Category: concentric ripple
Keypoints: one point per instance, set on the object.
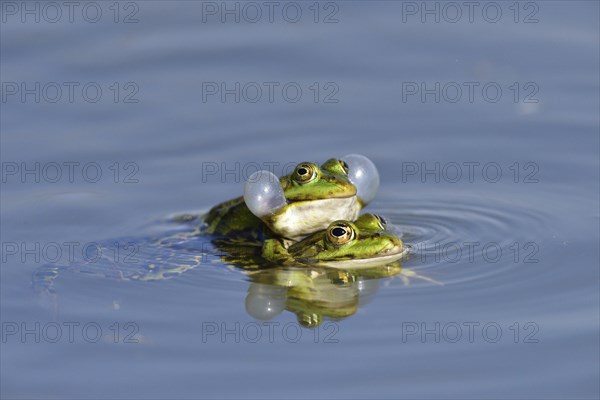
(463, 238)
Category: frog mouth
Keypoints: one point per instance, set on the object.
(388, 256)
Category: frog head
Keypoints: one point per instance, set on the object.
(311, 197)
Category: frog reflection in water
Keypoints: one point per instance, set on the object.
(314, 293)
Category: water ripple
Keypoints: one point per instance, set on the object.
(464, 239)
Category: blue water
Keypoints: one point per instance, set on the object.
(528, 318)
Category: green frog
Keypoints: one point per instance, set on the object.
(366, 242)
(296, 205)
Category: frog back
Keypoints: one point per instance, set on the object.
(232, 218)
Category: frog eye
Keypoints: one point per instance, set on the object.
(363, 175)
(305, 172)
(344, 165)
(340, 233)
(382, 221)
(263, 193)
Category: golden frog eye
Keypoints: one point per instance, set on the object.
(305, 172)
(340, 233)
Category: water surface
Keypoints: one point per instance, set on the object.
(527, 317)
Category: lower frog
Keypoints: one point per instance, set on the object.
(298, 204)
(366, 242)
